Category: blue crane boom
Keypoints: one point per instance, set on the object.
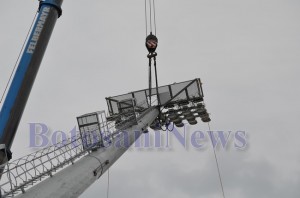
(18, 93)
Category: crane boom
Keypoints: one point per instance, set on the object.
(73, 180)
(101, 140)
(81, 165)
(18, 93)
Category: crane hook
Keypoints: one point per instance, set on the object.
(151, 43)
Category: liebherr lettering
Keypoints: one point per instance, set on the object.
(38, 29)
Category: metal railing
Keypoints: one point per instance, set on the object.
(28, 170)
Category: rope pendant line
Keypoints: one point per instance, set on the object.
(146, 19)
(152, 16)
(217, 162)
(15, 66)
(107, 192)
(154, 12)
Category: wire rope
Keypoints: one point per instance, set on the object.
(150, 15)
(15, 66)
(154, 12)
(107, 191)
(217, 162)
(146, 19)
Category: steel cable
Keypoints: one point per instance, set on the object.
(10, 77)
(217, 162)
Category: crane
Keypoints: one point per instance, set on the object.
(68, 168)
(18, 93)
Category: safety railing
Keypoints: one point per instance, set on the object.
(26, 171)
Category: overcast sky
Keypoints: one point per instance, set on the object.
(247, 53)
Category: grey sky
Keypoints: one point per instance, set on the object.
(247, 53)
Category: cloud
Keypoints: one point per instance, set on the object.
(246, 53)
